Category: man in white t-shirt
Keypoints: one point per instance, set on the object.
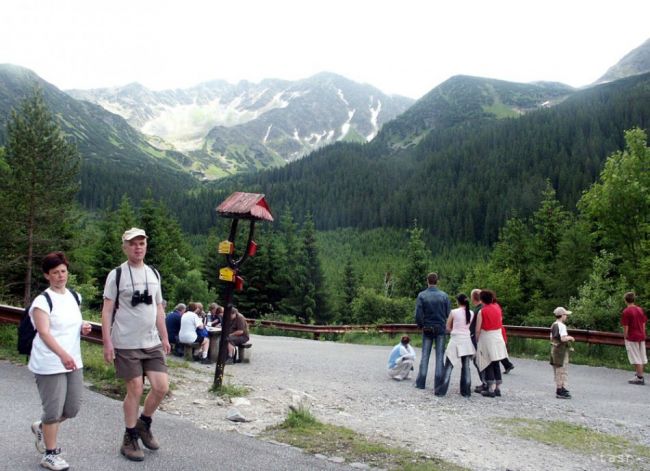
(135, 340)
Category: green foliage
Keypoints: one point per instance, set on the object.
(506, 284)
(600, 300)
(191, 287)
(618, 206)
(372, 308)
(411, 282)
(37, 194)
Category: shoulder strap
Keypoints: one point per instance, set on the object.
(155, 271)
(118, 275)
(47, 297)
(76, 296)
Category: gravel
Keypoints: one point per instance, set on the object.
(347, 385)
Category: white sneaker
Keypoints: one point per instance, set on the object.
(54, 461)
(37, 430)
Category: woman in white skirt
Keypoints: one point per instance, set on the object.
(460, 348)
(491, 348)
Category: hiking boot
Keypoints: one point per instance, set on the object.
(479, 389)
(497, 392)
(146, 436)
(131, 448)
(37, 430)
(54, 461)
(637, 380)
(488, 393)
(562, 394)
(509, 369)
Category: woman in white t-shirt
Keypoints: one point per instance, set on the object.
(192, 330)
(55, 358)
(460, 348)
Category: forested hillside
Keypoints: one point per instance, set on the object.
(117, 159)
(462, 183)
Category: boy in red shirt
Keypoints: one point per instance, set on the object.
(633, 320)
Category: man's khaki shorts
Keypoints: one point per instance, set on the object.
(132, 363)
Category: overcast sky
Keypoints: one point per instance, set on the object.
(404, 47)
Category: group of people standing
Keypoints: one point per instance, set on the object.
(476, 334)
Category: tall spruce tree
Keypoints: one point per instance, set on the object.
(315, 306)
(38, 192)
(411, 282)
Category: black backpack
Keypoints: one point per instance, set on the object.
(26, 331)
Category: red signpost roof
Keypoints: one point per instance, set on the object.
(241, 205)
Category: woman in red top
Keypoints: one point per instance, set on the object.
(491, 348)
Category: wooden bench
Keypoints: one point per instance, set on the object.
(243, 353)
(189, 350)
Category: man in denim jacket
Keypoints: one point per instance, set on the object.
(432, 308)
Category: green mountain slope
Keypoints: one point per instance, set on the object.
(461, 183)
(464, 100)
(117, 159)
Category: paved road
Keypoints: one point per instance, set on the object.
(91, 441)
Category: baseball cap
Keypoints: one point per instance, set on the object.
(560, 311)
(132, 233)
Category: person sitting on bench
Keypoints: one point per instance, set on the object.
(192, 330)
(238, 333)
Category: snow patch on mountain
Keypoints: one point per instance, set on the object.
(374, 115)
(345, 128)
(266, 136)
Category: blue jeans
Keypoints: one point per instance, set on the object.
(427, 342)
(465, 378)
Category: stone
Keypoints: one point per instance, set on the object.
(235, 416)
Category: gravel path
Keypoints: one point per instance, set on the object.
(347, 385)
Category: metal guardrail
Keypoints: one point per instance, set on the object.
(12, 315)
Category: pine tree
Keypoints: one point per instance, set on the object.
(315, 306)
(412, 280)
(39, 190)
(350, 286)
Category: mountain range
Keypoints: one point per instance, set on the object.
(226, 129)
(135, 140)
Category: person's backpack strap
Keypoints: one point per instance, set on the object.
(74, 294)
(118, 276)
(47, 297)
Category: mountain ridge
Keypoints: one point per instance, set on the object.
(216, 123)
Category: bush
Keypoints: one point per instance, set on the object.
(372, 308)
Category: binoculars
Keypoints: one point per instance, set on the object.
(139, 297)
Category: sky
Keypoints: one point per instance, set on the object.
(403, 47)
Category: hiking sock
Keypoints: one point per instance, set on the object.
(50, 452)
(145, 419)
(133, 432)
(204, 355)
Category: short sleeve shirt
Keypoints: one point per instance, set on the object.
(558, 330)
(189, 322)
(65, 327)
(635, 319)
(134, 327)
(240, 324)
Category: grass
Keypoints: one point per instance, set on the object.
(227, 390)
(301, 429)
(575, 438)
